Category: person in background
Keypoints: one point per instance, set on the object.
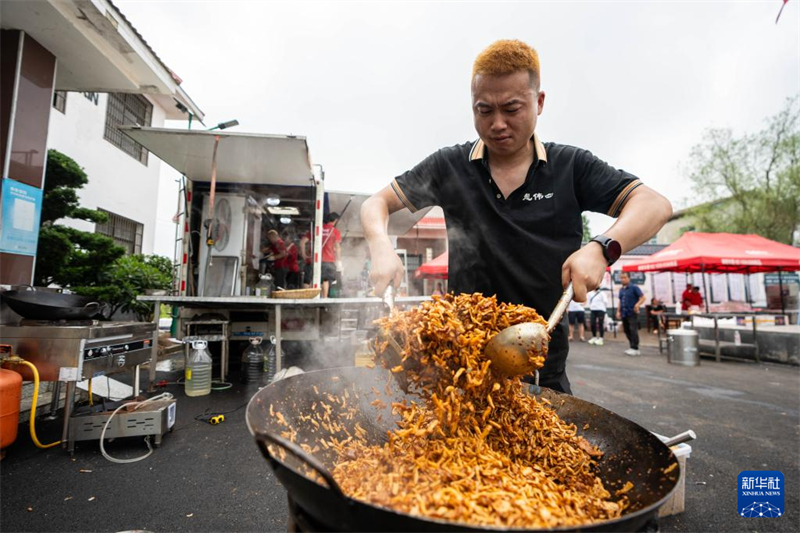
(696, 299)
(292, 268)
(631, 298)
(276, 249)
(597, 317)
(577, 317)
(654, 313)
(686, 298)
(331, 251)
(438, 290)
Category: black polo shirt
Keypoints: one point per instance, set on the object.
(514, 247)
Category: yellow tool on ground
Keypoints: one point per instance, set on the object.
(211, 418)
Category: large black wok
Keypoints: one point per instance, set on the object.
(631, 453)
(47, 305)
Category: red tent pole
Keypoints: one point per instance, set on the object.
(705, 289)
(780, 287)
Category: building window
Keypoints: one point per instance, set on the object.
(125, 232)
(127, 109)
(60, 101)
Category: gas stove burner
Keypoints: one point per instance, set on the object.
(76, 323)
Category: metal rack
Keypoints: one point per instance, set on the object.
(222, 337)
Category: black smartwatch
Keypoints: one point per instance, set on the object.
(611, 248)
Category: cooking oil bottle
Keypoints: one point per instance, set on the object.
(253, 361)
(198, 370)
(270, 359)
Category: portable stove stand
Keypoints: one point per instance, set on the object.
(72, 351)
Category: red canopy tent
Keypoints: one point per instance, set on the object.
(435, 268)
(720, 253)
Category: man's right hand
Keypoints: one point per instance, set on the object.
(386, 265)
(619, 316)
(387, 268)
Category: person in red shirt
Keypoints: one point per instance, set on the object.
(331, 251)
(686, 298)
(276, 249)
(293, 269)
(696, 298)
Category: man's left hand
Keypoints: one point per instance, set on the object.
(585, 268)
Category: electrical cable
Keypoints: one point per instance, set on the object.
(137, 405)
(221, 385)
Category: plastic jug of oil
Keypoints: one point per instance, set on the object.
(270, 360)
(253, 361)
(198, 370)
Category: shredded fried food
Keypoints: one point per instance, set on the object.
(477, 449)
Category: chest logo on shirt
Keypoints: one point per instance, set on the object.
(536, 196)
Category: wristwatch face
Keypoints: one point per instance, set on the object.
(613, 251)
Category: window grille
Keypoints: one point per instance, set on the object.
(125, 232)
(127, 109)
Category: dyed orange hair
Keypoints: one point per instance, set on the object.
(506, 57)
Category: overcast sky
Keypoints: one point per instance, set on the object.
(376, 87)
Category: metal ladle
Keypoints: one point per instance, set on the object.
(510, 350)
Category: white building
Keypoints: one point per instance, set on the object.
(123, 176)
(108, 75)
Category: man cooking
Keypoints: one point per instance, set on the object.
(513, 204)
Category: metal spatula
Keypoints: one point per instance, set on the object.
(510, 349)
(393, 353)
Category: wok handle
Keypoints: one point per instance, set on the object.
(265, 439)
(558, 310)
(686, 436)
(91, 306)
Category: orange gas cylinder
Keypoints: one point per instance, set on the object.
(10, 392)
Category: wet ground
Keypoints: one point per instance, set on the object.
(212, 478)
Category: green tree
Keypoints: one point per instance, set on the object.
(587, 232)
(89, 263)
(66, 256)
(751, 183)
(128, 277)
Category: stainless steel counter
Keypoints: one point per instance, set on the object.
(240, 303)
(251, 302)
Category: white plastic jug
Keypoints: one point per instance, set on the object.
(253, 362)
(198, 370)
